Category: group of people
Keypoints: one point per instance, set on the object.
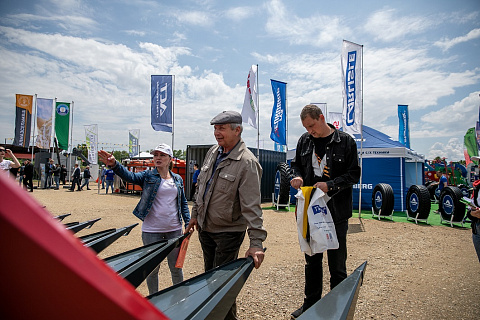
(56, 172)
(227, 196)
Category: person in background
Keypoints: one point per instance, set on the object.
(48, 174)
(28, 175)
(102, 176)
(86, 178)
(21, 173)
(63, 174)
(474, 215)
(194, 181)
(109, 174)
(56, 175)
(6, 165)
(442, 182)
(327, 159)
(75, 178)
(228, 198)
(162, 207)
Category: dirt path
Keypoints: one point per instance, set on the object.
(413, 271)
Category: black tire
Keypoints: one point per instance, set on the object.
(465, 190)
(450, 204)
(418, 202)
(382, 199)
(282, 183)
(431, 189)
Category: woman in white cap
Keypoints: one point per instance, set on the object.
(162, 207)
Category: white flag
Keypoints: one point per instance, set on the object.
(335, 118)
(352, 57)
(250, 108)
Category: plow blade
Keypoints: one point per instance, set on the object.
(135, 265)
(82, 225)
(339, 303)
(206, 296)
(97, 235)
(100, 244)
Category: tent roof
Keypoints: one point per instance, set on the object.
(143, 155)
(375, 139)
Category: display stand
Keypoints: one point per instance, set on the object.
(451, 222)
(280, 205)
(416, 219)
(379, 215)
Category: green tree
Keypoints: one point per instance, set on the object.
(120, 155)
(180, 154)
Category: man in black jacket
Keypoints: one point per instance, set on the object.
(326, 159)
(86, 178)
(28, 175)
(76, 178)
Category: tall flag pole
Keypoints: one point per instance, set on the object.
(44, 123)
(71, 143)
(279, 113)
(352, 88)
(34, 126)
(23, 120)
(162, 89)
(258, 116)
(62, 123)
(403, 127)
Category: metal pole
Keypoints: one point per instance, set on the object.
(361, 153)
(173, 111)
(34, 126)
(258, 119)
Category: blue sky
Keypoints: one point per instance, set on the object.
(100, 54)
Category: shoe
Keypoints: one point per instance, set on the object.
(295, 314)
(89, 189)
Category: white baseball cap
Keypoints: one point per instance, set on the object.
(163, 147)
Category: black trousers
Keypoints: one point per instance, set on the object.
(337, 265)
(220, 248)
(75, 181)
(28, 182)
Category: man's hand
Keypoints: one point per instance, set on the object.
(257, 254)
(192, 225)
(107, 158)
(322, 186)
(475, 213)
(296, 182)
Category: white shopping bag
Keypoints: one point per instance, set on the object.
(314, 209)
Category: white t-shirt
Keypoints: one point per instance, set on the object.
(5, 165)
(163, 214)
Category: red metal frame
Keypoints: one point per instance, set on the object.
(47, 273)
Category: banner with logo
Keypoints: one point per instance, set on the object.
(44, 123)
(470, 142)
(162, 103)
(250, 108)
(91, 138)
(403, 128)
(352, 65)
(279, 112)
(133, 142)
(323, 107)
(335, 118)
(23, 120)
(62, 124)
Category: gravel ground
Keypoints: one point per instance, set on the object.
(413, 271)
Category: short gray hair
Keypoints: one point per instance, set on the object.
(235, 125)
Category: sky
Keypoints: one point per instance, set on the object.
(101, 55)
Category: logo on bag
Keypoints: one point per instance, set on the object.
(317, 209)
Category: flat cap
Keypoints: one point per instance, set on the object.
(227, 117)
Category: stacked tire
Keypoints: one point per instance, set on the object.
(450, 207)
(282, 183)
(382, 199)
(418, 202)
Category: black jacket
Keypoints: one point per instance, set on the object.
(342, 160)
(28, 171)
(86, 174)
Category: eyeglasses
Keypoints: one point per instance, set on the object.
(3, 150)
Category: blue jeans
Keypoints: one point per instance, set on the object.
(176, 273)
(476, 238)
(57, 181)
(109, 184)
(85, 182)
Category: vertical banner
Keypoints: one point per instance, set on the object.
(133, 142)
(44, 123)
(279, 112)
(250, 108)
(62, 124)
(335, 118)
(403, 129)
(352, 87)
(323, 107)
(470, 142)
(91, 138)
(162, 103)
(477, 134)
(23, 120)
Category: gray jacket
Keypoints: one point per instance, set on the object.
(232, 202)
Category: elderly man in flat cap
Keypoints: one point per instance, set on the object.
(227, 199)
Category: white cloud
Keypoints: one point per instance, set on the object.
(446, 43)
(316, 30)
(239, 13)
(66, 22)
(196, 18)
(135, 33)
(387, 25)
(452, 150)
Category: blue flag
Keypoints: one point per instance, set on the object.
(403, 130)
(279, 113)
(162, 103)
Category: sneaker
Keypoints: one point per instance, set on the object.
(295, 314)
